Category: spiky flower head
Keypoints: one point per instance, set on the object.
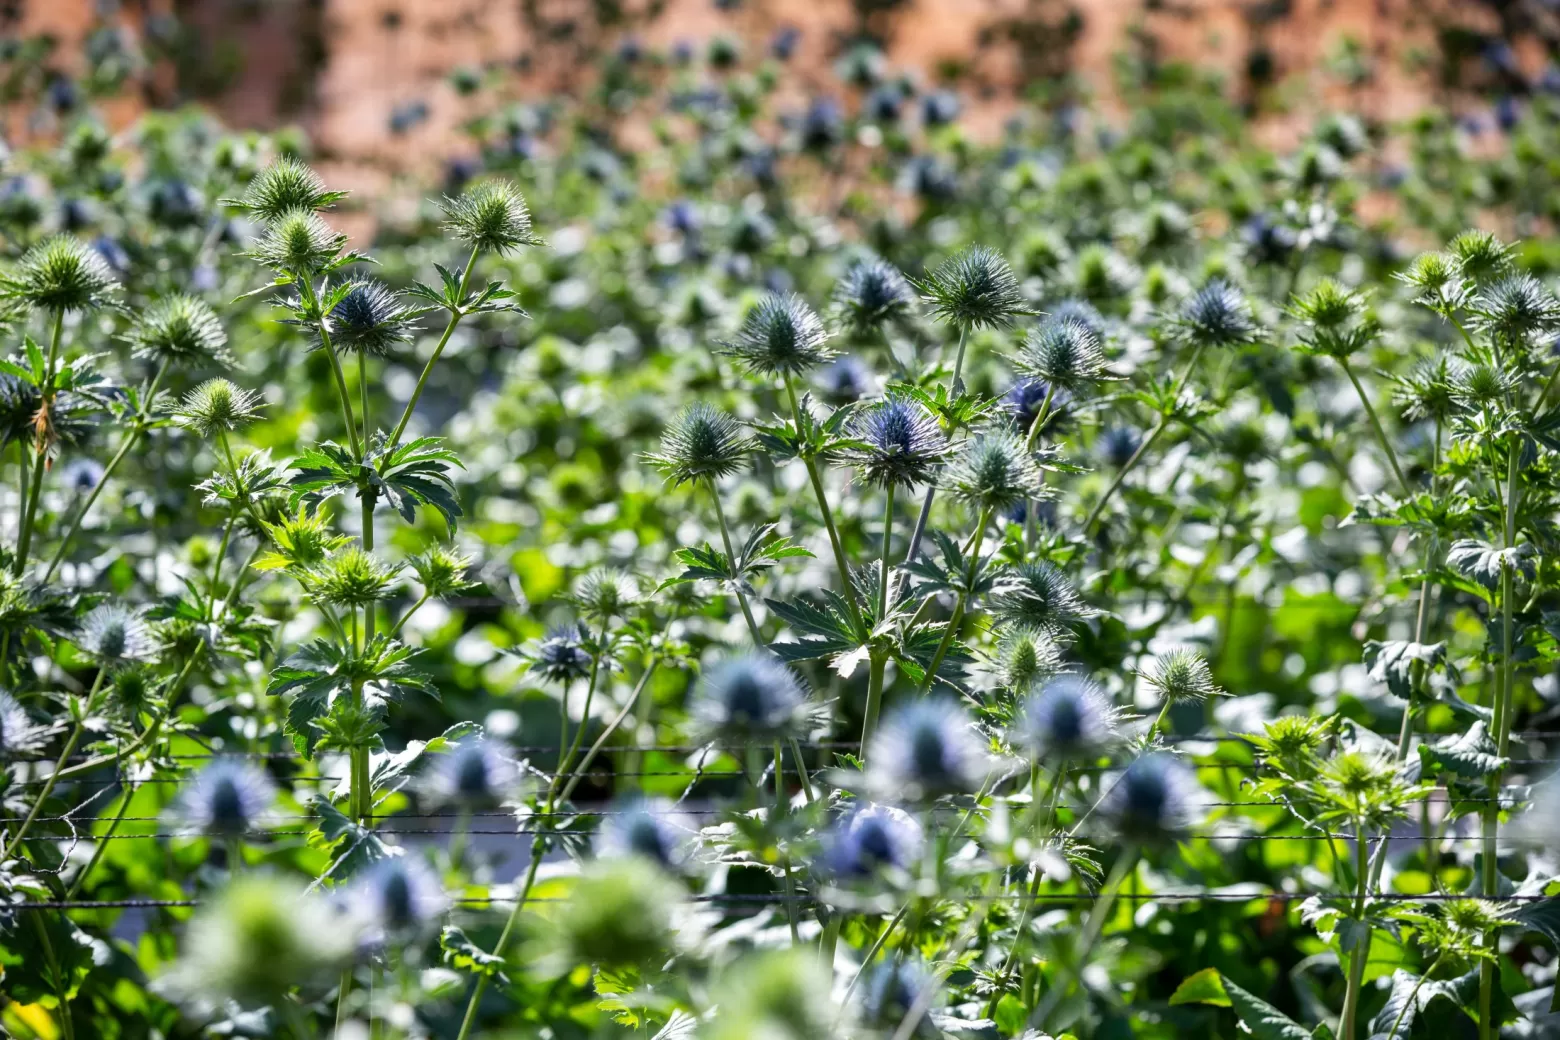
(620, 914)
(302, 540)
(256, 940)
(994, 472)
(561, 656)
(701, 443)
(845, 379)
(181, 330)
(1040, 595)
(1481, 385)
(1218, 315)
(1428, 390)
(396, 898)
(286, 186)
(871, 839)
(81, 475)
(871, 294)
(442, 570)
(370, 319)
(752, 697)
(114, 634)
(217, 405)
(973, 289)
(350, 578)
(297, 243)
(60, 274)
(1516, 308)
(781, 335)
(19, 737)
(774, 995)
(1182, 676)
(473, 773)
(1480, 255)
(1328, 305)
(135, 689)
(1118, 444)
(651, 828)
(902, 443)
(606, 592)
(924, 749)
(1069, 718)
(491, 217)
(891, 990)
(1064, 353)
(1156, 798)
(228, 798)
(1437, 278)
(1026, 655)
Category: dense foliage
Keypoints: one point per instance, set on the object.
(826, 578)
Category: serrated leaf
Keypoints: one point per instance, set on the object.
(1261, 1019)
(1203, 987)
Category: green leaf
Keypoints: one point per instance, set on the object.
(1471, 754)
(1261, 1019)
(1203, 987)
(464, 955)
(1395, 1020)
(357, 846)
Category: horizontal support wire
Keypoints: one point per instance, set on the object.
(565, 833)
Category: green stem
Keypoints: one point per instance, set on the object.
(848, 588)
(129, 440)
(1356, 978)
(731, 560)
(422, 380)
(306, 286)
(781, 807)
(1091, 933)
(59, 767)
(883, 565)
(952, 631)
(1375, 423)
(102, 845)
(931, 490)
(1413, 995)
(40, 450)
(878, 666)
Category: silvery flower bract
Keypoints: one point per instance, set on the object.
(902, 444)
(652, 829)
(1068, 718)
(19, 736)
(1182, 675)
(750, 697)
(975, 288)
(114, 634)
(872, 838)
(1156, 798)
(994, 471)
(475, 772)
(701, 443)
(398, 896)
(226, 799)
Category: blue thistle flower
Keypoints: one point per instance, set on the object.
(973, 289)
(902, 443)
(371, 319)
(651, 829)
(1267, 240)
(780, 336)
(1069, 718)
(884, 104)
(1118, 444)
(1218, 315)
(889, 992)
(226, 799)
(1040, 595)
(845, 379)
(701, 443)
(561, 656)
(1064, 353)
(994, 471)
(823, 126)
(397, 897)
(754, 697)
(871, 838)
(783, 45)
(1156, 798)
(1025, 397)
(871, 293)
(1081, 311)
(473, 773)
(81, 475)
(924, 749)
(930, 178)
(114, 634)
(18, 735)
(1516, 307)
(940, 108)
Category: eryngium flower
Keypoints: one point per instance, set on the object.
(60, 274)
(1515, 308)
(891, 990)
(1428, 390)
(1041, 596)
(350, 578)
(845, 379)
(397, 897)
(1182, 676)
(1118, 444)
(606, 592)
(19, 737)
(975, 288)
(994, 472)
(780, 335)
(1479, 385)
(260, 937)
(774, 995)
(115, 635)
(491, 217)
(1066, 354)
(752, 697)
(561, 656)
(442, 570)
(873, 838)
(370, 319)
(1155, 798)
(701, 443)
(870, 294)
(81, 475)
(473, 773)
(226, 799)
(619, 915)
(1480, 254)
(297, 243)
(180, 330)
(902, 443)
(1328, 305)
(286, 186)
(924, 749)
(652, 829)
(1070, 718)
(1025, 656)
(1218, 315)
(217, 405)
